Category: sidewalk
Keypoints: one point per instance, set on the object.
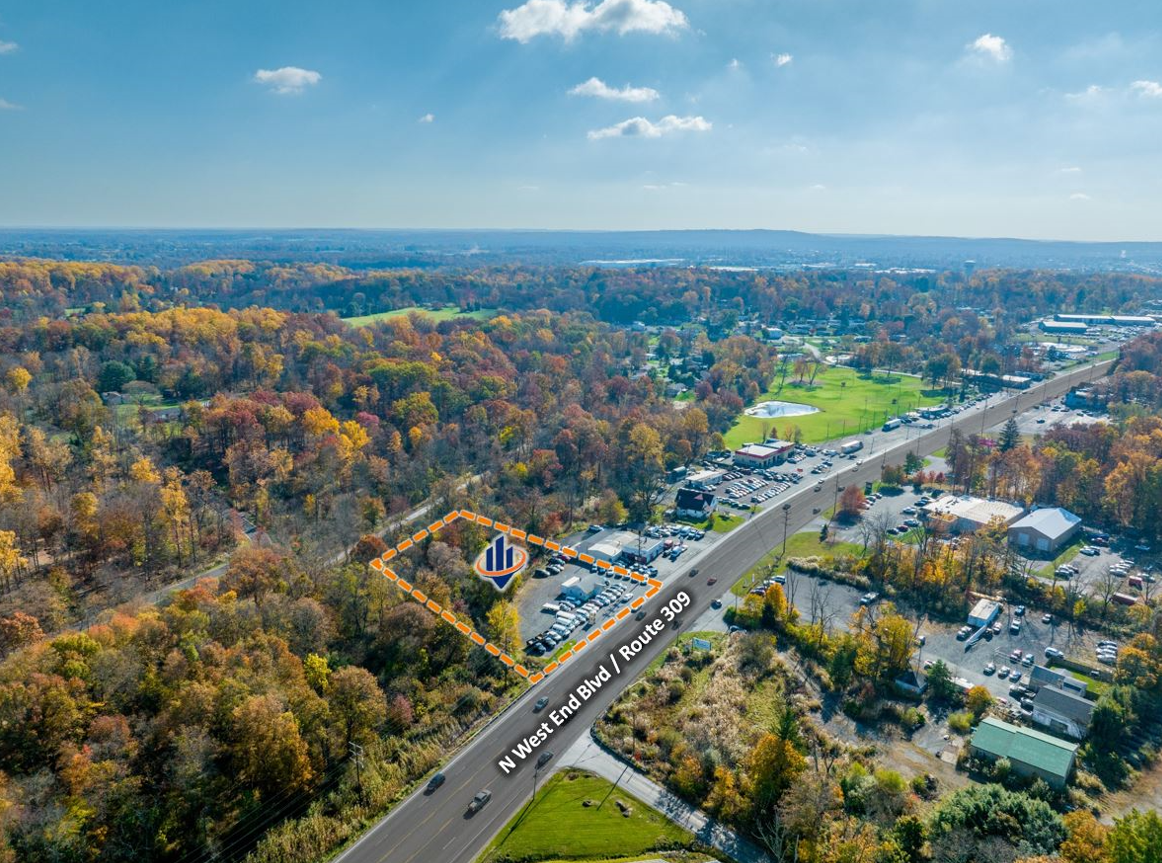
(585, 754)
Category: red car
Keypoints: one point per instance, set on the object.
(711, 580)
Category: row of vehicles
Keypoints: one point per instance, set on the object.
(569, 616)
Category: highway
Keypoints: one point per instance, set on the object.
(437, 827)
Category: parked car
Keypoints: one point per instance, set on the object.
(990, 668)
(1054, 653)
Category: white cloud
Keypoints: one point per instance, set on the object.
(661, 187)
(568, 20)
(782, 60)
(818, 187)
(427, 118)
(734, 65)
(1148, 89)
(5, 105)
(640, 127)
(7, 47)
(289, 80)
(600, 90)
(1071, 169)
(1090, 94)
(992, 48)
(1079, 196)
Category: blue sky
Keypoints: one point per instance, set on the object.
(1032, 118)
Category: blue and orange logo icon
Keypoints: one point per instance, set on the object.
(499, 563)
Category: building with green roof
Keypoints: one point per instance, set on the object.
(1030, 752)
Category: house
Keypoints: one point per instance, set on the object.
(1062, 712)
(693, 503)
(1041, 676)
(761, 456)
(1045, 531)
(673, 390)
(966, 513)
(1030, 752)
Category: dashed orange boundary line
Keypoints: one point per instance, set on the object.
(380, 566)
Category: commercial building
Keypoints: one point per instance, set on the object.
(1108, 320)
(1062, 712)
(991, 381)
(692, 503)
(703, 480)
(1073, 328)
(762, 455)
(1030, 753)
(625, 546)
(966, 513)
(1084, 399)
(578, 589)
(1045, 531)
(983, 613)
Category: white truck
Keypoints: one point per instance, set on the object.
(851, 446)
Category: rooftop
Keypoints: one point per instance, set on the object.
(975, 509)
(1064, 704)
(1034, 748)
(1052, 521)
(757, 450)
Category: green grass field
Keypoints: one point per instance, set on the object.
(805, 544)
(558, 827)
(448, 313)
(847, 402)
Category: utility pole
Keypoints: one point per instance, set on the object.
(356, 752)
(786, 519)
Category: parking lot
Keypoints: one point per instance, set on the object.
(538, 601)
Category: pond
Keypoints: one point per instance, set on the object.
(773, 410)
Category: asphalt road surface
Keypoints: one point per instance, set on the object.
(438, 827)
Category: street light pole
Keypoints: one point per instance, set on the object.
(786, 519)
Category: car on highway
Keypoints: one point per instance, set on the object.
(435, 782)
(479, 801)
(541, 704)
(712, 580)
(543, 759)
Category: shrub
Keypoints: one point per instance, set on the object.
(961, 722)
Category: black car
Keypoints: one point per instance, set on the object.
(435, 782)
(541, 704)
(545, 758)
(480, 801)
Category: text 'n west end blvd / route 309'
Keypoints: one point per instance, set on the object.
(380, 564)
